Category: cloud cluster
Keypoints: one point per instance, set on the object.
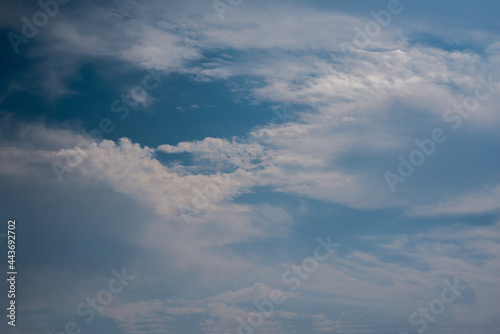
(353, 115)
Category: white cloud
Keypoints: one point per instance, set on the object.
(388, 286)
(472, 202)
(358, 278)
(220, 312)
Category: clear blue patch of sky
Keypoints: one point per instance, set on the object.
(184, 109)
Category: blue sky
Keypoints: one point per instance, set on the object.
(202, 148)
